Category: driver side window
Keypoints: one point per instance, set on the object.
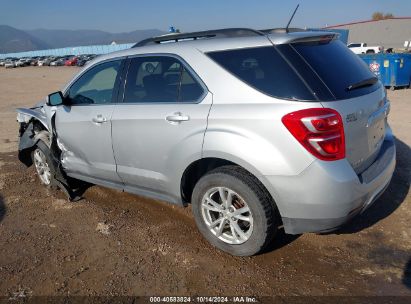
(96, 86)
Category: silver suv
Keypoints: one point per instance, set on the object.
(257, 130)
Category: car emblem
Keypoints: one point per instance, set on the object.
(351, 117)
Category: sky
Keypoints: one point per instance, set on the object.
(189, 15)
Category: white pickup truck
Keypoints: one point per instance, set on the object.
(362, 48)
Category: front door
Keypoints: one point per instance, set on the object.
(84, 127)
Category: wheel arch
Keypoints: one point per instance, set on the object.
(202, 166)
(30, 134)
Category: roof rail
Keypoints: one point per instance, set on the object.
(220, 33)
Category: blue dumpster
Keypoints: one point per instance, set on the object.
(394, 70)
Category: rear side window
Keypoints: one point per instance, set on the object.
(159, 79)
(264, 69)
(338, 67)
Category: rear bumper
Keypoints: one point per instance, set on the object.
(328, 194)
(298, 225)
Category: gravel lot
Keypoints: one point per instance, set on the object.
(112, 243)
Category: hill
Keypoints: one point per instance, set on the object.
(14, 40)
(66, 38)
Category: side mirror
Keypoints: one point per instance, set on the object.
(55, 99)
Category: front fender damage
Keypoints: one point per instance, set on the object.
(28, 140)
(30, 135)
(36, 113)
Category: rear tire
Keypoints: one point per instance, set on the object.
(234, 212)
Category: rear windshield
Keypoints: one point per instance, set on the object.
(301, 71)
(338, 67)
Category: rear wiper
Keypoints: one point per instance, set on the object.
(362, 83)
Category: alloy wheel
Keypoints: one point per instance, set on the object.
(42, 167)
(227, 215)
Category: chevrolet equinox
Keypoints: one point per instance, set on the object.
(257, 130)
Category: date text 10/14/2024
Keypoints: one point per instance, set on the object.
(204, 299)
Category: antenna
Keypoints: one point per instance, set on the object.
(291, 19)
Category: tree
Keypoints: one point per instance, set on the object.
(381, 16)
(377, 16)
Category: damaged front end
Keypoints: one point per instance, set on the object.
(33, 127)
(37, 124)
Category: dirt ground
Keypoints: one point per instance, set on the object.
(112, 243)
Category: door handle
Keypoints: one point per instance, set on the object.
(99, 119)
(177, 117)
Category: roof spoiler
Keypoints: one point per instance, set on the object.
(318, 37)
(281, 30)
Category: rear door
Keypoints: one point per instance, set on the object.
(356, 95)
(159, 127)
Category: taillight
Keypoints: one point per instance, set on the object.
(319, 130)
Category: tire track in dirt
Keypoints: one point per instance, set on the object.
(148, 248)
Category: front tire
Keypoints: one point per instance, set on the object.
(234, 212)
(43, 163)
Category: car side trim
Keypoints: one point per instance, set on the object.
(128, 189)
